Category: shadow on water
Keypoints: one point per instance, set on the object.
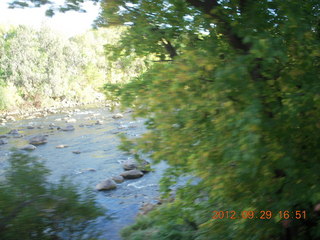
(99, 159)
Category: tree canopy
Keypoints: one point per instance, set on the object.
(236, 103)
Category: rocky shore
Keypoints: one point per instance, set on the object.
(66, 107)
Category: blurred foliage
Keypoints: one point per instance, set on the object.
(33, 208)
(52, 6)
(41, 67)
(233, 101)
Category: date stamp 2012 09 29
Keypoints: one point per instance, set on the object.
(263, 214)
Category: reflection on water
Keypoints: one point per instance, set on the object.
(98, 158)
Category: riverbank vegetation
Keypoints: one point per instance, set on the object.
(41, 68)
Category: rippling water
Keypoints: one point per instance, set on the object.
(99, 159)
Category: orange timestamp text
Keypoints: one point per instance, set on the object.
(263, 214)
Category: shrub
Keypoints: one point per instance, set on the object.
(33, 208)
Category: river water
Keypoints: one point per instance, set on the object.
(99, 159)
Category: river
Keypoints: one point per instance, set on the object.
(99, 159)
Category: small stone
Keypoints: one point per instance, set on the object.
(145, 208)
(30, 127)
(129, 165)
(118, 179)
(3, 141)
(38, 140)
(14, 132)
(89, 170)
(142, 165)
(108, 184)
(117, 116)
(99, 122)
(132, 174)
(67, 128)
(10, 118)
(76, 152)
(28, 147)
(62, 146)
(3, 136)
(71, 120)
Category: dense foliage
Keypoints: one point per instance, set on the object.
(238, 107)
(43, 68)
(234, 101)
(32, 208)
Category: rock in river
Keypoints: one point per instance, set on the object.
(107, 184)
(132, 174)
(117, 116)
(38, 140)
(118, 179)
(71, 120)
(62, 146)
(130, 164)
(67, 128)
(3, 141)
(14, 132)
(99, 122)
(28, 147)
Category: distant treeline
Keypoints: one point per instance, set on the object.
(42, 68)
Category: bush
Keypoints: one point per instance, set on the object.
(33, 208)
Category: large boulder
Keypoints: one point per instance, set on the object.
(38, 140)
(107, 184)
(132, 174)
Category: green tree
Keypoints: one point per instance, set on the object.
(42, 67)
(33, 208)
(37, 62)
(237, 107)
